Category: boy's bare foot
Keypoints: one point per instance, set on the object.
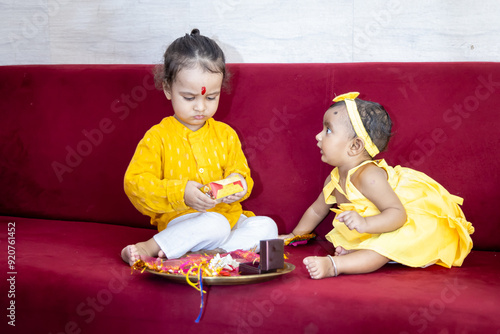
(130, 254)
(320, 267)
(342, 251)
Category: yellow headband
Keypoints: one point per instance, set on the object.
(357, 124)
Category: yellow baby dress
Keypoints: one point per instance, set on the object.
(435, 232)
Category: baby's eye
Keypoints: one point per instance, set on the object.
(189, 98)
(328, 130)
(210, 98)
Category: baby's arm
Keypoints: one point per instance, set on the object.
(372, 183)
(311, 217)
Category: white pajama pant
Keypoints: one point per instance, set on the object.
(210, 230)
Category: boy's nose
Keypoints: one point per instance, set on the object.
(200, 105)
(318, 137)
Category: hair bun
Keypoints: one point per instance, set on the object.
(195, 32)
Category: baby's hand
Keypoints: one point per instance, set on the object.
(286, 236)
(238, 196)
(353, 221)
(196, 199)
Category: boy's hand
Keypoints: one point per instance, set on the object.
(238, 196)
(196, 199)
(353, 221)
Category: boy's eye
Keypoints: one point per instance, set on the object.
(212, 97)
(188, 98)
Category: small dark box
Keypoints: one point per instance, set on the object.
(271, 258)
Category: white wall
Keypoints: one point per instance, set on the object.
(138, 31)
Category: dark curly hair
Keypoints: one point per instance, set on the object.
(376, 121)
(187, 52)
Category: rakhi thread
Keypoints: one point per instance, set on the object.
(299, 239)
(200, 279)
(196, 266)
(198, 286)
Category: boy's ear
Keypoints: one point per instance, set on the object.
(357, 146)
(167, 91)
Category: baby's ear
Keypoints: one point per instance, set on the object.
(167, 91)
(357, 146)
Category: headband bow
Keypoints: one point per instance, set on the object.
(357, 124)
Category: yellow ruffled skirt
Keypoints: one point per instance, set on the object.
(436, 231)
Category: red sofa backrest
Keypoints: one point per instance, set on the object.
(68, 133)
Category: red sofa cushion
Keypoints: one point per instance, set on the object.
(69, 131)
(71, 279)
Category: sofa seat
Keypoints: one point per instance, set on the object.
(80, 285)
(68, 132)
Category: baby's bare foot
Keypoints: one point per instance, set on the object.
(342, 251)
(319, 267)
(130, 254)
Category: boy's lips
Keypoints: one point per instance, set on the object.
(199, 117)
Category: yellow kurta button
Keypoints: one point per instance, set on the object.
(201, 170)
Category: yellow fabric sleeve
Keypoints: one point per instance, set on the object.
(170, 155)
(144, 185)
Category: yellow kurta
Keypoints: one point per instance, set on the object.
(170, 155)
(436, 230)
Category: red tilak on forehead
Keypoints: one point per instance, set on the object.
(203, 90)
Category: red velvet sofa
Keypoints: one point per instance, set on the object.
(68, 133)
